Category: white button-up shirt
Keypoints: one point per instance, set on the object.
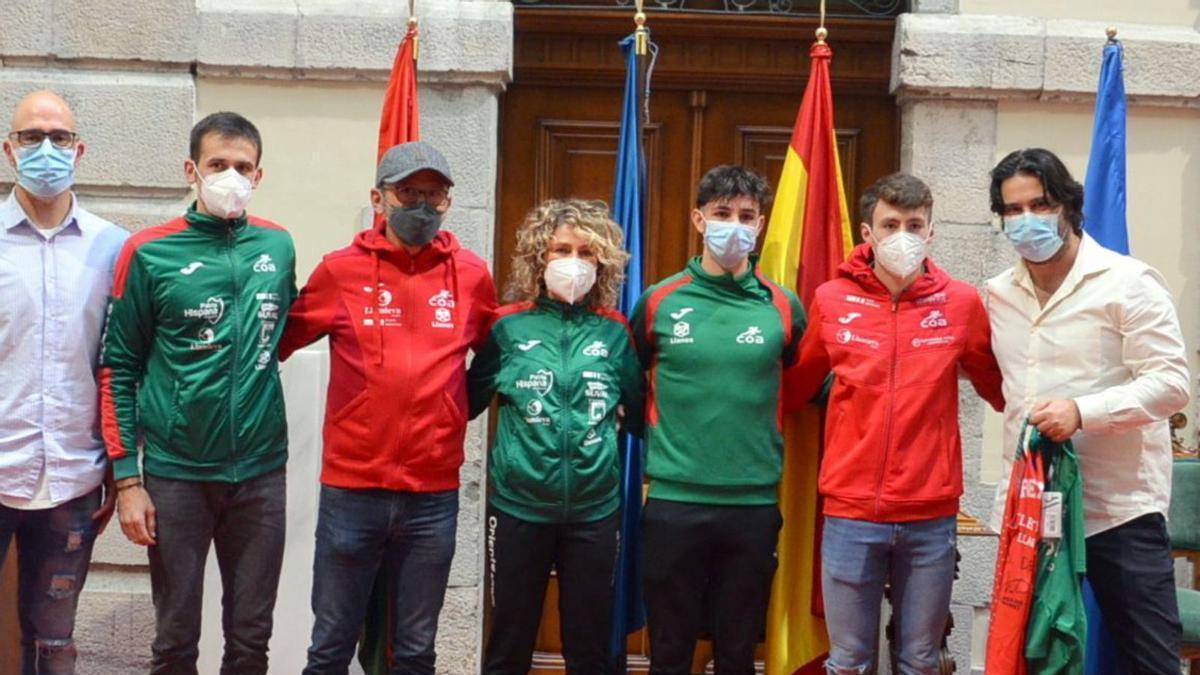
(53, 295)
(1109, 339)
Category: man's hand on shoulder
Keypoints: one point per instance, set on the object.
(1056, 420)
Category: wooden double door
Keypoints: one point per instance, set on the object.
(725, 88)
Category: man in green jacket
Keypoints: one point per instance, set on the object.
(189, 374)
(715, 339)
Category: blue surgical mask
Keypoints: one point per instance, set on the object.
(46, 170)
(729, 242)
(1035, 237)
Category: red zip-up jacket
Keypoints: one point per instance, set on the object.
(892, 446)
(399, 327)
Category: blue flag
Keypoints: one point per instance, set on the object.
(1104, 220)
(1104, 187)
(629, 211)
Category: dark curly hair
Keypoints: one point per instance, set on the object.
(1060, 188)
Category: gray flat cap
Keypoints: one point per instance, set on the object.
(405, 159)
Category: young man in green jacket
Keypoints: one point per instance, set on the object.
(189, 373)
(714, 339)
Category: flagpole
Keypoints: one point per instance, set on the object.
(822, 32)
(412, 30)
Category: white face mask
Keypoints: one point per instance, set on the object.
(569, 279)
(902, 253)
(225, 194)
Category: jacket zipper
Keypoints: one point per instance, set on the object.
(237, 350)
(887, 434)
(566, 403)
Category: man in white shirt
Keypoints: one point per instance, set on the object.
(1090, 348)
(56, 263)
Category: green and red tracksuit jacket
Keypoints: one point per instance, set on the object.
(561, 371)
(399, 327)
(188, 366)
(892, 446)
(715, 347)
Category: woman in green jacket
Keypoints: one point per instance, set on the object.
(562, 363)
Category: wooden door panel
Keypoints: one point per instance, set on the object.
(725, 89)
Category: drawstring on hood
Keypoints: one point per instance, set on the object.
(441, 251)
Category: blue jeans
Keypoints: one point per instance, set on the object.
(409, 534)
(54, 547)
(857, 558)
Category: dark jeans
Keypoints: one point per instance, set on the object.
(411, 535)
(700, 556)
(520, 555)
(1132, 574)
(53, 549)
(246, 523)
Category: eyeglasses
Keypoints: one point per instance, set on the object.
(411, 195)
(34, 137)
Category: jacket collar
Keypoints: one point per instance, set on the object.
(211, 224)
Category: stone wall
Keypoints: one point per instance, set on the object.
(132, 70)
(952, 74)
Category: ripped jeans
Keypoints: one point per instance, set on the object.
(54, 547)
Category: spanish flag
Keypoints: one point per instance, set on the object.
(807, 238)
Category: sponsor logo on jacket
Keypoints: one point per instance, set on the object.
(846, 336)
(934, 319)
(211, 310)
(264, 263)
(751, 336)
(442, 302)
(681, 332)
(540, 382)
(860, 300)
(939, 341)
(597, 348)
(938, 298)
(191, 267)
(848, 317)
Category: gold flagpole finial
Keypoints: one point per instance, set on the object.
(642, 39)
(822, 32)
(412, 26)
(1111, 32)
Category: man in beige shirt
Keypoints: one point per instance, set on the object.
(1090, 348)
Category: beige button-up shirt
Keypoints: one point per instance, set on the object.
(1109, 339)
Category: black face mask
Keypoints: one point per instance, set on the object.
(415, 225)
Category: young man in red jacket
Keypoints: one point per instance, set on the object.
(894, 329)
(401, 306)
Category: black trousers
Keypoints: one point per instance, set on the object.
(1133, 577)
(246, 522)
(698, 557)
(520, 555)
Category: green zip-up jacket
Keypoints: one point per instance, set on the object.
(715, 347)
(188, 366)
(560, 371)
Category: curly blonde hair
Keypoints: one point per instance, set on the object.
(591, 220)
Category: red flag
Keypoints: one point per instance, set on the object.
(400, 121)
(1016, 565)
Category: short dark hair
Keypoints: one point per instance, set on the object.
(1057, 184)
(728, 181)
(227, 125)
(901, 190)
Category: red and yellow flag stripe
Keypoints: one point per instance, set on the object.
(806, 240)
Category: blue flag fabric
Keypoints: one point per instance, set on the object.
(1104, 220)
(629, 211)
(1104, 187)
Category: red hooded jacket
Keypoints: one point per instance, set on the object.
(892, 446)
(399, 327)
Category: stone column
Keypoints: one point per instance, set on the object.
(130, 71)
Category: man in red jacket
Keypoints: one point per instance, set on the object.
(894, 329)
(401, 306)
